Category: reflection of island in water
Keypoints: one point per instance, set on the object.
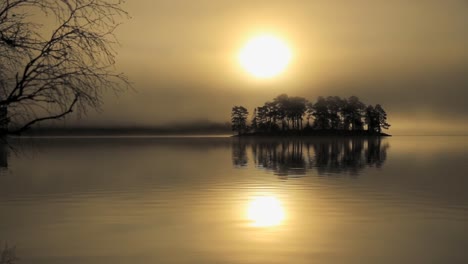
(297, 156)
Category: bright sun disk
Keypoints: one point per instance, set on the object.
(265, 56)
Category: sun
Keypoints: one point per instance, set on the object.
(265, 211)
(265, 56)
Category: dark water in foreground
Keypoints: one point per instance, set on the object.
(225, 200)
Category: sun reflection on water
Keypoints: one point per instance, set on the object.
(265, 211)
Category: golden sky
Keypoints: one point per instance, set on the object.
(410, 56)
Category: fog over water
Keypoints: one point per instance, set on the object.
(231, 200)
(411, 57)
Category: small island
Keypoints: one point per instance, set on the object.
(296, 116)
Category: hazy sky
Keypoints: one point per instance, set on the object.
(410, 56)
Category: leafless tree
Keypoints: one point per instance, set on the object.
(49, 73)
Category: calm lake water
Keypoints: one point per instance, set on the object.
(229, 200)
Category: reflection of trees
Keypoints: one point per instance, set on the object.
(339, 156)
(239, 154)
(282, 157)
(327, 156)
(375, 154)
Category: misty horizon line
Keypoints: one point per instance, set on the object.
(207, 127)
(214, 128)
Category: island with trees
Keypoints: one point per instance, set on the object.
(296, 116)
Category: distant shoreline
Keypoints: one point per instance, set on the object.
(201, 128)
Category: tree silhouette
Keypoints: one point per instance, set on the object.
(254, 123)
(48, 76)
(319, 111)
(272, 115)
(334, 105)
(239, 116)
(376, 118)
(381, 116)
(298, 107)
(282, 103)
(261, 118)
(352, 113)
(331, 114)
(371, 119)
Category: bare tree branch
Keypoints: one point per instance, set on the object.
(47, 77)
(40, 119)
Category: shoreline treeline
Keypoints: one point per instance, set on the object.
(332, 113)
